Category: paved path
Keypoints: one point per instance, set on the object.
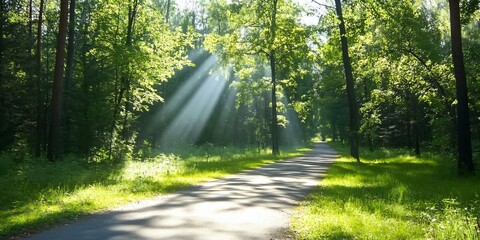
(250, 205)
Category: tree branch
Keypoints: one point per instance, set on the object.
(323, 5)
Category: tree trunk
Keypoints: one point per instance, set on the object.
(30, 22)
(69, 73)
(124, 85)
(131, 23)
(56, 104)
(416, 124)
(275, 150)
(40, 124)
(86, 130)
(334, 131)
(352, 104)
(167, 16)
(465, 161)
(132, 12)
(273, 28)
(417, 139)
(2, 91)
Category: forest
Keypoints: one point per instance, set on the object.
(114, 81)
(135, 75)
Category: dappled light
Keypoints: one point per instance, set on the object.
(254, 198)
(389, 196)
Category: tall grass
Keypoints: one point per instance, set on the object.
(391, 195)
(37, 193)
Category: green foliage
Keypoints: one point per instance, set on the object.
(46, 193)
(391, 195)
(453, 221)
(400, 53)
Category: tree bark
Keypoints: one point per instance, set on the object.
(86, 130)
(167, 16)
(352, 104)
(417, 139)
(465, 161)
(69, 72)
(40, 124)
(30, 22)
(275, 149)
(273, 29)
(2, 91)
(127, 87)
(56, 104)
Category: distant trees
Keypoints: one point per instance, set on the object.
(262, 31)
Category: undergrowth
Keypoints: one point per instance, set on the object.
(36, 193)
(391, 195)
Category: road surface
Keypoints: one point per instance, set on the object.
(251, 205)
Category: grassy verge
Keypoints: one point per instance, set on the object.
(391, 195)
(35, 194)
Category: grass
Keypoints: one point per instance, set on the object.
(36, 194)
(391, 195)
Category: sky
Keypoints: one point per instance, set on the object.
(309, 4)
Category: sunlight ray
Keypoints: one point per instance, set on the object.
(291, 134)
(191, 119)
(183, 94)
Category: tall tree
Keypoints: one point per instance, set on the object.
(273, 31)
(69, 72)
(30, 20)
(40, 120)
(265, 32)
(2, 78)
(465, 161)
(56, 104)
(352, 103)
(167, 15)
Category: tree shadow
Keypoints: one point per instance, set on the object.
(249, 205)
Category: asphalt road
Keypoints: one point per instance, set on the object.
(251, 205)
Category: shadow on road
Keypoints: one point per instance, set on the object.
(250, 205)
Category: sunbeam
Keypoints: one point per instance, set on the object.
(182, 95)
(291, 135)
(188, 124)
(221, 131)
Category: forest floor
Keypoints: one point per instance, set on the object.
(36, 193)
(255, 204)
(392, 194)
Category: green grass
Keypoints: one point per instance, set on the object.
(391, 195)
(36, 193)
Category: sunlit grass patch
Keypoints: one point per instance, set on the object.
(38, 193)
(390, 195)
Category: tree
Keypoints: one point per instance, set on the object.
(70, 66)
(352, 102)
(40, 120)
(465, 161)
(260, 32)
(167, 14)
(271, 55)
(56, 104)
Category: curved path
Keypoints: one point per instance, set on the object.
(251, 205)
